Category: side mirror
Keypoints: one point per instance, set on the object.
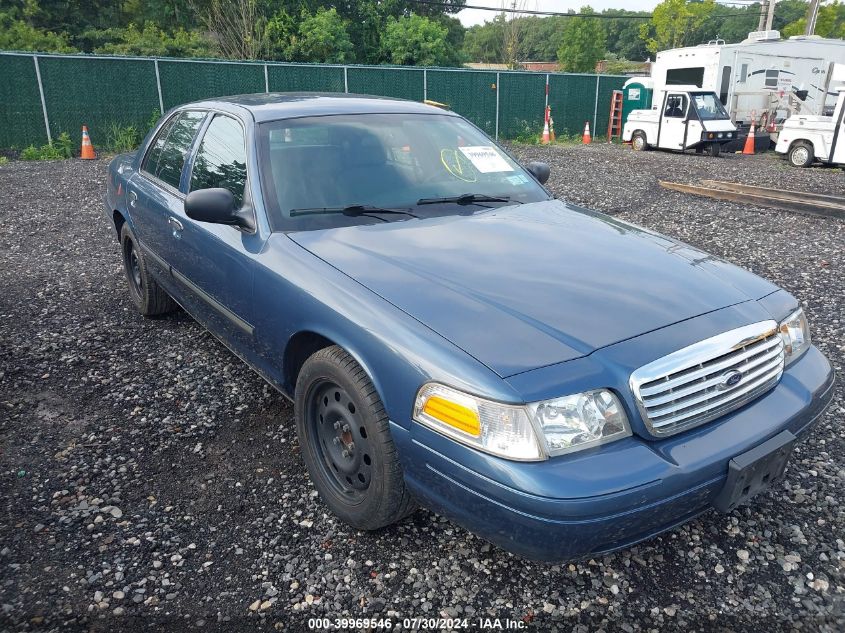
(539, 170)
(217, 206)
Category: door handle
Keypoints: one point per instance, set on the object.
(176, 225)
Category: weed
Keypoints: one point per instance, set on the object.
(61, 148)
(122, 138)
(4, 161)
(153, 120)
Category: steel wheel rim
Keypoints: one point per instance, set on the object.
(800, 156)
(133, 268)
(638, 143)
(341, 441)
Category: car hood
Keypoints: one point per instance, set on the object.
(526, 286)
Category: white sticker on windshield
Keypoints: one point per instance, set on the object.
(485, 158)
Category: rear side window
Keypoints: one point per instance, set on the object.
(221, 158)
(170, 148)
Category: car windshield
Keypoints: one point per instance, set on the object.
(326, 171)
(709, 107)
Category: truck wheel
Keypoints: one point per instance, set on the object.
(714, 149)
(800, 155)
(346, 444)
(146, 294)
(638, 141)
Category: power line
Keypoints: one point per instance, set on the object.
(604, 16)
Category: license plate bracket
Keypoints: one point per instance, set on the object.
(755, 470)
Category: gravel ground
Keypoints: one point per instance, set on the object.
(150, 481)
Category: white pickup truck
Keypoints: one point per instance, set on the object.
(805, 139)
(683, 117)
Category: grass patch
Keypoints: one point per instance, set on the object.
(122, 138)
(61, 148)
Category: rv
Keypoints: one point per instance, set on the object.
(764, 78)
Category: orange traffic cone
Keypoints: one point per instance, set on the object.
(545, 139)
(87, 151)
(587, 139)
(749, 141)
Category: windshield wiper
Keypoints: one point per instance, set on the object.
(352, 210)
(467, 198)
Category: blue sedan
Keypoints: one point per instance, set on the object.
(555, 380)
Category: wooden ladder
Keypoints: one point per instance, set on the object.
(614, 124)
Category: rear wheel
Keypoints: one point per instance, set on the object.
(638, 141)
(146, 294)
(346, 443)
(800, 155)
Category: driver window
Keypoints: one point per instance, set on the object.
(676, 106)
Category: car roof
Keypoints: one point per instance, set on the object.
(285, 105)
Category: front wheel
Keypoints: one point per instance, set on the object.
(638, 141)
(714, 149)
(346, 444)
(800, 155)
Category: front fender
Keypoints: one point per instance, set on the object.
(295, 291)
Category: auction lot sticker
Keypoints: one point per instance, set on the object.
(485, 158)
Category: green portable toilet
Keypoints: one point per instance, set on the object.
(636, 95)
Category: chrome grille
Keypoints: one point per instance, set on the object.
(708, 379)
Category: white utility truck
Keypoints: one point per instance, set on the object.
(681, 118)
(764, 77)
(805, 139)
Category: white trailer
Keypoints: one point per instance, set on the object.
(681, 118)
(764, 75)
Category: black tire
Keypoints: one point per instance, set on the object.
(639, 142)
(147, 295)
(801, 155)
(714, 149)
(346, 444)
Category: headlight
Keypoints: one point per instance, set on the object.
(795, 332)
(523, 432)
(576, 422)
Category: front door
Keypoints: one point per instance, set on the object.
(673, 121)
(213, 262)
(154, 194)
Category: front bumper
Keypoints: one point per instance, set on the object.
(612, 496)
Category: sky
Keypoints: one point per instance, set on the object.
(468, 17)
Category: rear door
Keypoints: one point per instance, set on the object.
(153, 193)
(673, 121)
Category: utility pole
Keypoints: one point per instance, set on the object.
(764, 10)
(770, 14)
(811, 17)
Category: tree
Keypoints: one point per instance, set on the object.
(18, 35)
(485, 42)
(623, 35)
(415, 41)
(238, 26)
(676, 23)
(151, 41)
(829, 23)
(321, 37)
(583, 43)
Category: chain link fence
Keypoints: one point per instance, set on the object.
(43, 95)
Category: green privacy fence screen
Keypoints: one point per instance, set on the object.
(43, 95)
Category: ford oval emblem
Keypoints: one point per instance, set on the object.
(730, 379)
